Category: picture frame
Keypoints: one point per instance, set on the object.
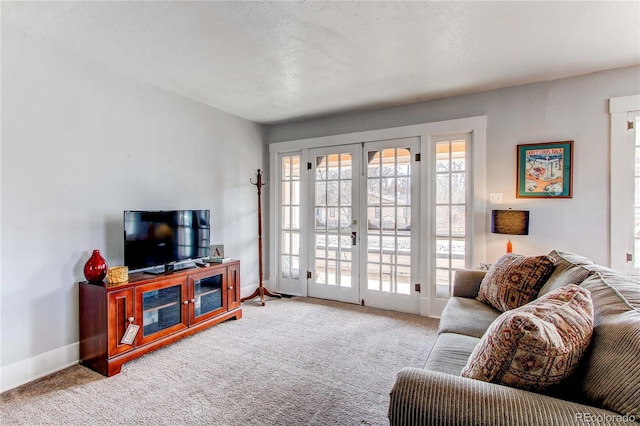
(545, 170)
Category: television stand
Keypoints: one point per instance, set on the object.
(122, 322)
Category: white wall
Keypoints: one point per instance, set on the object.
(568, 109)
(80, 144)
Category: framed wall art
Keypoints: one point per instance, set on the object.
(545, 170)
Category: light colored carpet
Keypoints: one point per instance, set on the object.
(294, 361)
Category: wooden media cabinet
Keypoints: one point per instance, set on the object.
(166, 308)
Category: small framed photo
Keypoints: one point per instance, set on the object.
(545, 170)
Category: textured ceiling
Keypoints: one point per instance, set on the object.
(272, 62)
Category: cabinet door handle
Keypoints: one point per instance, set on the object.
(186, 302)
(193, 300)
(130, 319)
(230, 287)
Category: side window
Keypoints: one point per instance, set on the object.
(450, 211)
(290, 217)
(625, 184)
(635, 230)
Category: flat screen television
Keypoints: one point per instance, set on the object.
(162, 238)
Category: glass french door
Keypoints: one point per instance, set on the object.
(391, 239)
(364, 224)
(333, 216)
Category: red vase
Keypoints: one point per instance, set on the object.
(96, 268)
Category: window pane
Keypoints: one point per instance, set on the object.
(345, 193)
(321, 194)
(286, 242)
(295, 193)
(333, 166)
(458, 189)
(345, 218)
(373, 167)
(443, 281)
(286, 217)
(442, 188)
(458, 154)
(388, 191)
(331, 272)
(404, 161)
(442, 220)
(286, 267)
(332, 193)
(321, 168)
(295, 267)
(295, 168)
(286, 168)
(321, 218)
(295, 243)
(403, 219)
(345, 166)
(458, 221)
(442, 157)
(286, 192)
(373, 192)
(295, 217)
(403, 191)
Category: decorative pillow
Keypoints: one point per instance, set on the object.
(570, 268)
(514, 280)
(537, 345)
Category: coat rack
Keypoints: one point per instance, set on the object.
(261, 290)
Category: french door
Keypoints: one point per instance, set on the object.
(363, 219)
(334, 223)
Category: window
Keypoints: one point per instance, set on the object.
(635, 141)
(625, 184)
(450, 212)
(290, 217)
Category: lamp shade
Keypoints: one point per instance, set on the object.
(510, 222)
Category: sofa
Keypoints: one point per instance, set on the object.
(603, 389)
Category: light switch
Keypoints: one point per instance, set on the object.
(495, 198)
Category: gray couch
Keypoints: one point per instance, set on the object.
(604, 391)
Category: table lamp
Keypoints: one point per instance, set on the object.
(510, 222)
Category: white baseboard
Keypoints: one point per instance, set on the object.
(246, 291)
(28, 370)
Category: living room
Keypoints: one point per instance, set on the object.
(84, 139)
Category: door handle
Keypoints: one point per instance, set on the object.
(354, 238)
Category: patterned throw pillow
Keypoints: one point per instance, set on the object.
(537, 345)
(514, 280)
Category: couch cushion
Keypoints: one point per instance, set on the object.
(570, 268)
(609, 376)
(514, 280)
(450, 353)
(537, 345)
(467, 316)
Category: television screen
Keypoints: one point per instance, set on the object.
(153, 238)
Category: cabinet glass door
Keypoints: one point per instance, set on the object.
(207, 294)
(161, 307)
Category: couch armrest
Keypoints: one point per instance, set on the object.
(423, 397)
(466, 282)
